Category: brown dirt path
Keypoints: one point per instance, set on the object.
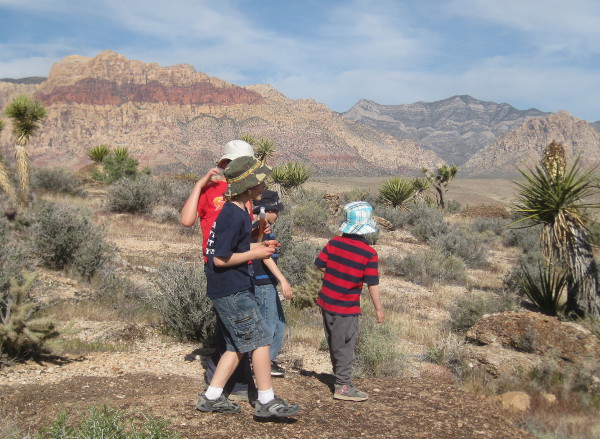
(397, 408)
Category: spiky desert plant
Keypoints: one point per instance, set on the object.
(248, 138)
(544, 291)
(396, 191)
(421, 185)
(290, 175)
(26, 115)
(264, 149)
(98, 152)
(121, 153)
(6, 183)
(21, 333)
(307, 293)
(440, 179)
(558, 197)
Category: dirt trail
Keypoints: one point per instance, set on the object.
(397, 408)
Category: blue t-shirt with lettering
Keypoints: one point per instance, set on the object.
(229, 234)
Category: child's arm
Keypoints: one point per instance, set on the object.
(286, 288)
(374, 293)
(260, 251)
(189, 212)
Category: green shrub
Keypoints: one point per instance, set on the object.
(307, 293)
(283, 230)
(470, 308)
(165, 214)
(426, 267)
(132, 195)
(396, 191)
(295, 261)
(376, 356)
(544, 290)
(471, 248)
(97, 153)
(527, 239)
(311, 218)
(180, 299)
(491, 226)
(117, 165)
(105, 423)
(65, 236)
(399, 218)
(56, 180)
(22, 334)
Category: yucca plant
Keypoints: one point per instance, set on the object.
(546, 291)
(248, 138)
(121, 153)
(26, 115)
(264, 149)
(98, 152)
(440, 179)
(290, 175)
(396, 191)
(558, 197)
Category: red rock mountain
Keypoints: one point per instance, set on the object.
(177, 119)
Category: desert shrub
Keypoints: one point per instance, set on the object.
(491, 226)
(466, 311)
(295, 261)
(132, 195)
(399, 218)
(165, 214)
(453, 206)
(449, 351)
(120, 293)
(65, 236)
(471, 248)
(56, 180)
(307, 293)
(527, 239)
(375, 356)
(545, 288)
(180, 299)
(173, 193)
(426, 222)
(103, 422)
(305, 196)
(529, 261)
(283, 230)
(396, 191)
(311, 217)
(358, 194)
(117, 165)
(22, 333)
(426, 267)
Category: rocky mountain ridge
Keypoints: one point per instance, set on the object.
(454, 128)
(177, 119)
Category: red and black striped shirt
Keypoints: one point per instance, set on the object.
(349, 262)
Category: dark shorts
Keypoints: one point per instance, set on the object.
(243, 326)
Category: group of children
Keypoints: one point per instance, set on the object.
(242, 276)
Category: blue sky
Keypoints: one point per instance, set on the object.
(542, 54)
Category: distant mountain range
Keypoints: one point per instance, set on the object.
(176, 119)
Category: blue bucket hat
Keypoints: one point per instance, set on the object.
(358, 219)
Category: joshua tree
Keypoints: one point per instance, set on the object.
(290, 175)
(264, 149)
(397, 191)
(557, 197)
(440, 179)
(5, 181)
(26, 115)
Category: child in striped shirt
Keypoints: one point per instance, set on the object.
(348, 262)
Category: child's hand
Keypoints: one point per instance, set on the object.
(263, 251)
(286, 289)
(272, 243)
(211, 173)
(379, 314)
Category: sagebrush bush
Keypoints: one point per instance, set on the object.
(65, 236)
(466, 311)
(283, 230)
(427, 222)
(165, 214)
(56, 180)
(180, 299)
(376, 355)
(307, 293)
(359, 194)
(132, 195)
(449, 350)
(118, 292)
(430, 266)
(527, 239)
(103, 423)
(399, 218)
(312, 218)
(470, 247)
(173, 193)
(526, 261)
(491, 226)
(295, 261)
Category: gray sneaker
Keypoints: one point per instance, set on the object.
(348, 392)
(276, 407)
(221, 404)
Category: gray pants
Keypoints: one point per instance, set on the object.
(341, 333)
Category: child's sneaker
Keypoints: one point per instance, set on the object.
(348, 392)
(276, 407)
(221, 404)
(277, 370)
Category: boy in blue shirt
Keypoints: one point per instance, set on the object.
(229, 286)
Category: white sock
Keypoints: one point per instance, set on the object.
(265, 396)
(213, 393)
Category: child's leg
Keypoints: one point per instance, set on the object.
(341, 332)
(261, 364)
(226, 366)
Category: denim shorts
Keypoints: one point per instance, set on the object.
(243, 326)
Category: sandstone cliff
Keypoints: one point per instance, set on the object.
(177, 119)
(522, 147)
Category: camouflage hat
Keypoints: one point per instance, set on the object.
(244, 173)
